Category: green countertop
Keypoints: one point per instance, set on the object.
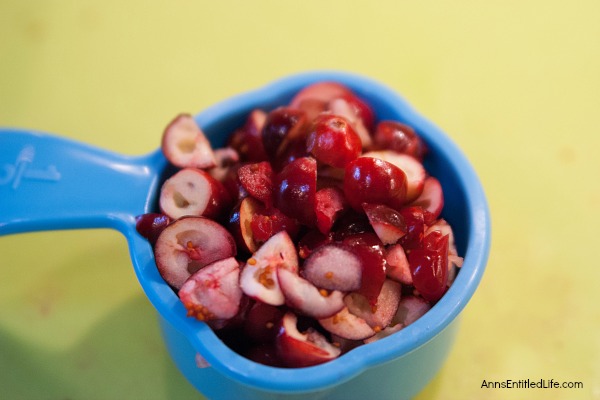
(517, 85)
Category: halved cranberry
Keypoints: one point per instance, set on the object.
(295, 188)
(387, 222)
(371, 180)
(185, 145)
(335, 267)
(226, 159)
(429, 267)
(312, 240)
(348, 326)
(397, 267)
(393, 135)
(258, 279)
(282, 124)
(150, 225)
(412, 168)
(330, 204)
(213, 292)
(257, 180)
(333, 141)
(293, 149)
(371, 253)
(307, 299)
(380, 316)
(302, 349)
(431, 199)
(187, 245)
(350, 224)
(341, 107)
(262, 321)
(269, 221)
(193, 191)
(247, 140)
(415, 225)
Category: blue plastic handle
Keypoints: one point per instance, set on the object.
(48, 182)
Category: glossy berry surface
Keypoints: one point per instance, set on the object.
(429, 268)
(281, 125)
(371, 180)
(393, 135)
(333, 141)
(295, 188)
(151, 225)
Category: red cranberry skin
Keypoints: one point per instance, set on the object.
(295, 188)
(429, 268)
(267, 222)
(282, 125)
(350, 224)
(414, 219)
(333, 141)
(290, 150)
(393, 135)
(311, 241)
(257, 180)
(261, 322)
(371, 180)
(151, 225)
(247, 140)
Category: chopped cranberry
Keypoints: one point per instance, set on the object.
(414, 220)
(267, 222)
(257, 180)
(429, 268)
(330, 204)
(295, 188)
(151, 225)
(350, 224)
(294, 148)
(312, 240)
(261, 322)
(371, 180)
(371, 252)
(247, 140)
(393, 135)
(333, 141)
(282, 125)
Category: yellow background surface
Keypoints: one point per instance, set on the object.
(516, 84)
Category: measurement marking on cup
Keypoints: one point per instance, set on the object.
(13, 174)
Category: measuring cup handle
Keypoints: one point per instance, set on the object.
(48, 182)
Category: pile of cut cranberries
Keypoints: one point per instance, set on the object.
(315, 230)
